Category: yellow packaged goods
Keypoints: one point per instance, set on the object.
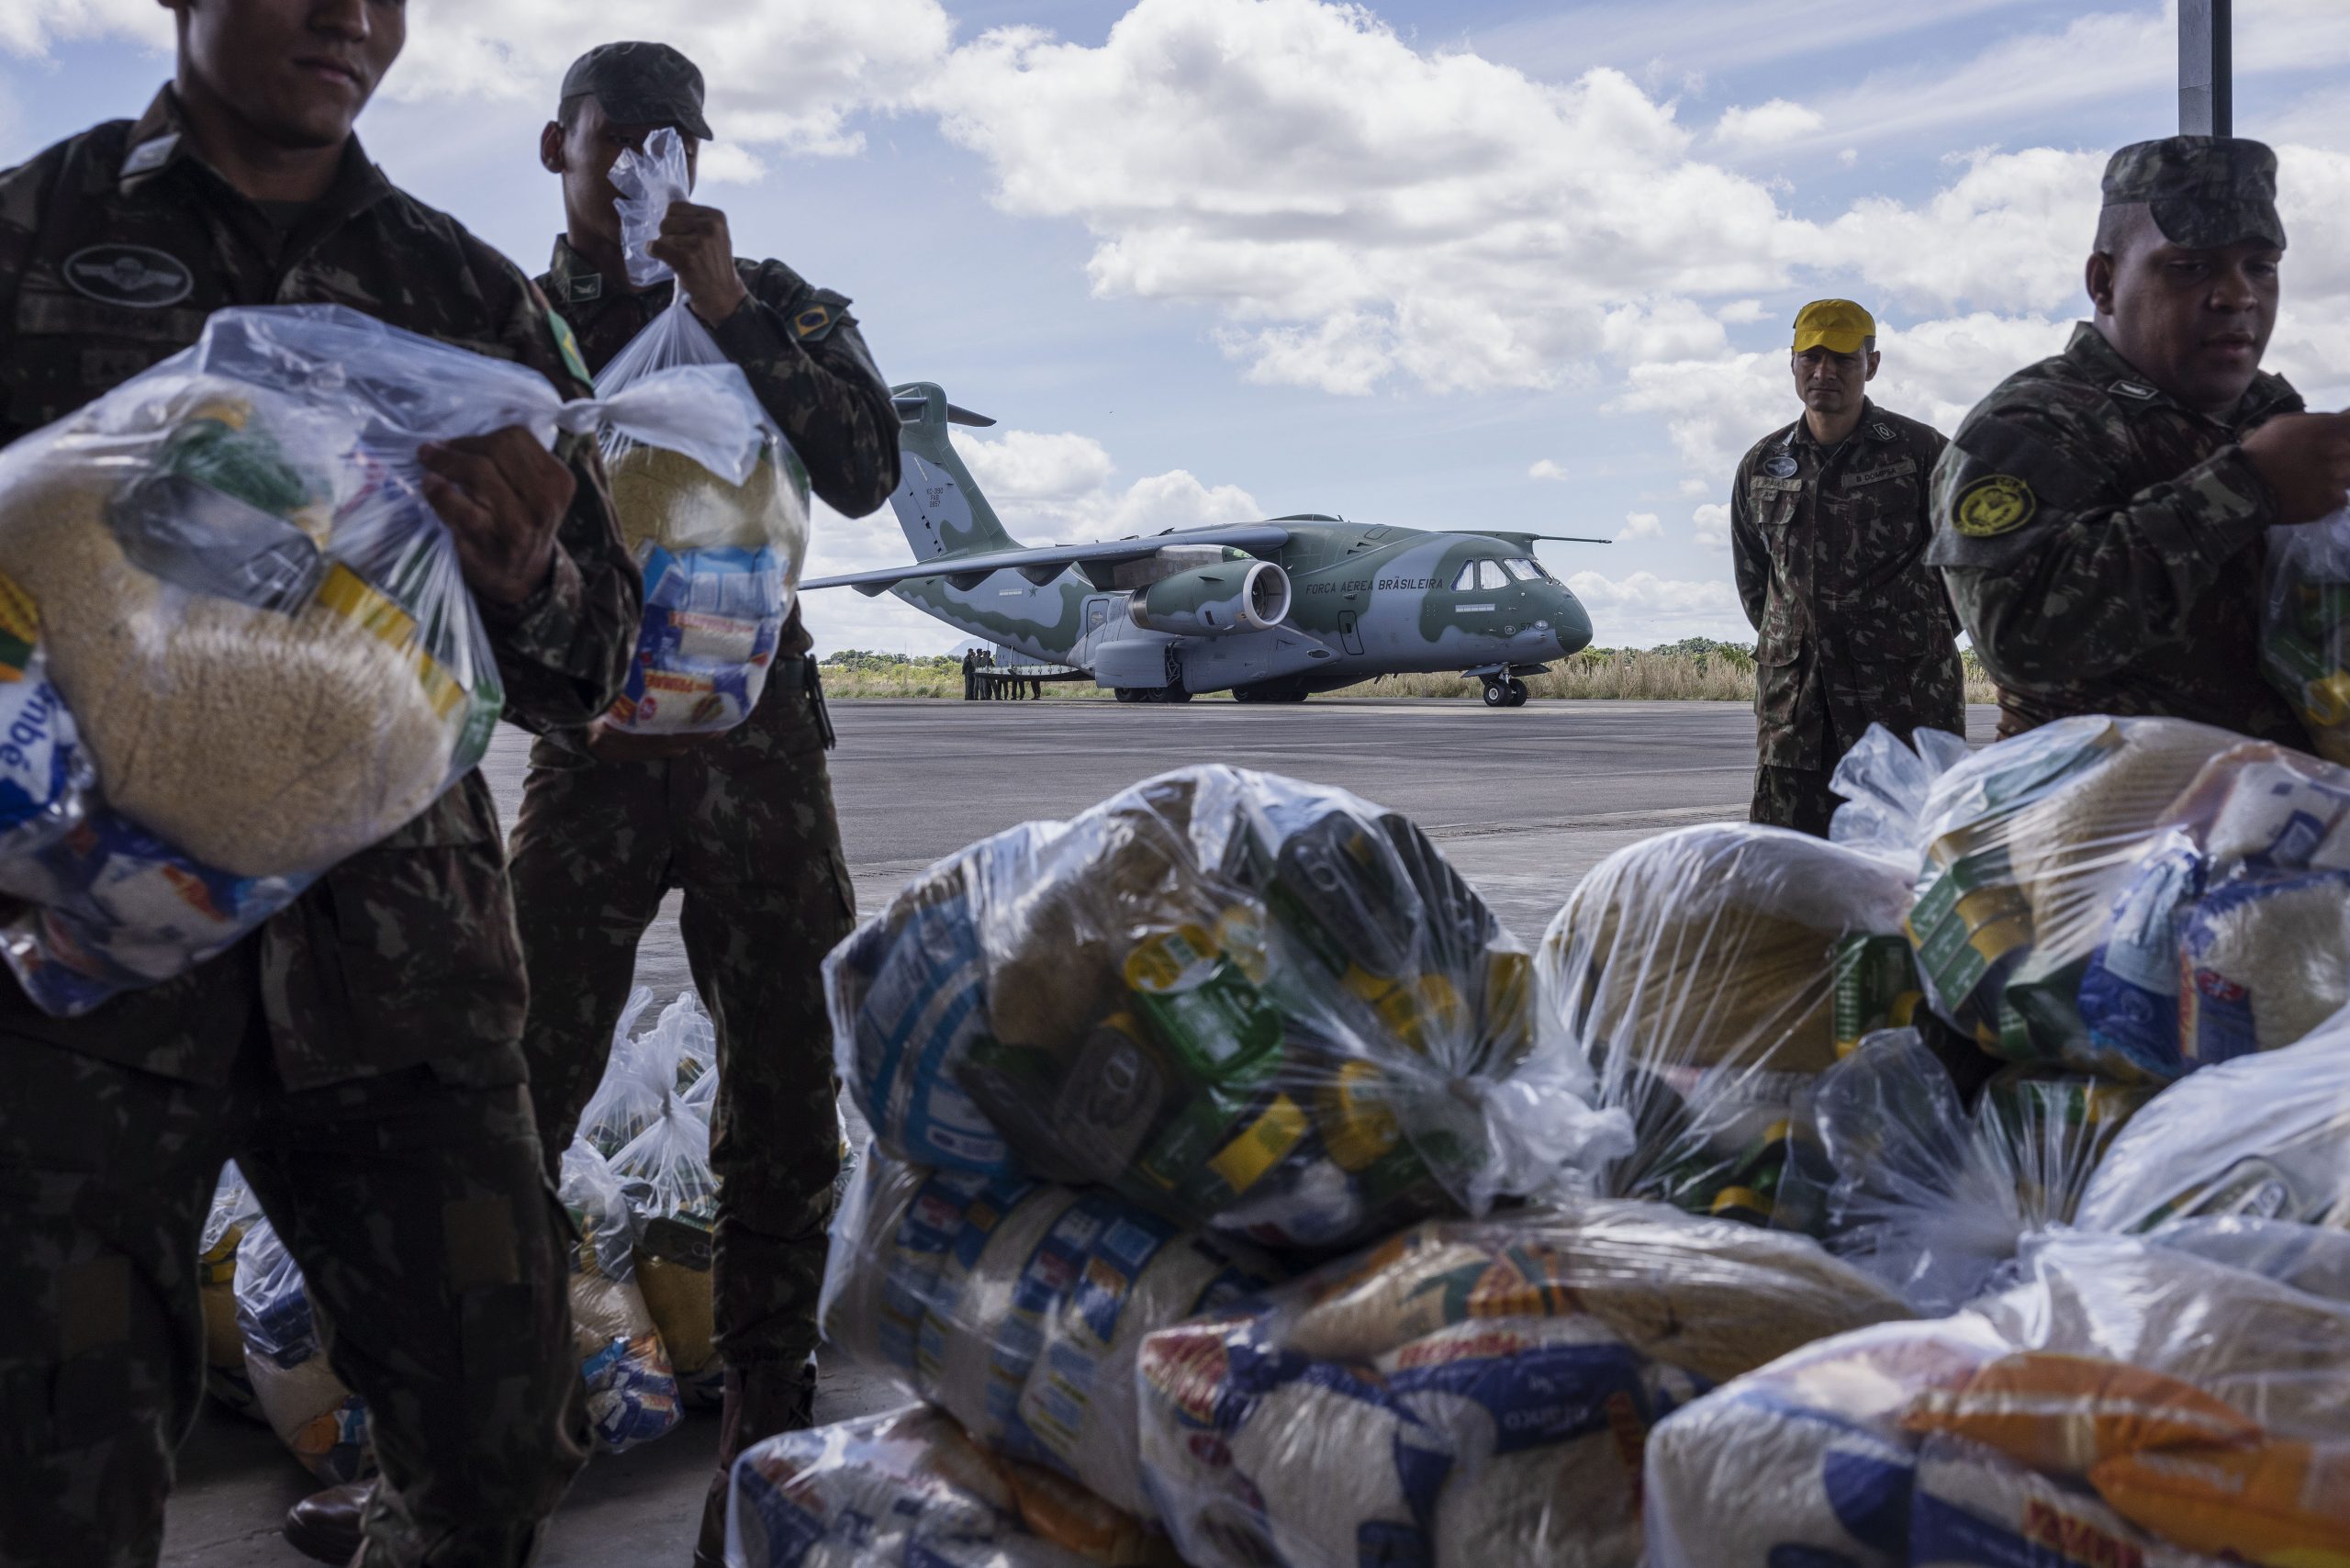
(2305, 627)
(1709, 976)
(631, 1393)
(1240, 1002)
(2063, 1415)
(669, 499)
(1470, 1393)
(2279, 1504)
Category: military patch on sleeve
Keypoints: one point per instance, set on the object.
(568, 345)
(1993, 505)
(811, 322)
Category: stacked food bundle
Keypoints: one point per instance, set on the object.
(319, 1419)
(631, 1393)
(2305, 628)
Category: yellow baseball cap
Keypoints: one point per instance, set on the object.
(1837, 325)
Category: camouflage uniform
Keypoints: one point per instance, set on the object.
(359, 1056)
(744, 824)
(1829, 551)
(2103, 542)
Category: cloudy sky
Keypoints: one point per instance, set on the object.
(1476, 263)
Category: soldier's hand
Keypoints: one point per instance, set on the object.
(606, 743)
(503, 496)
(2305, 458)
(694, 243)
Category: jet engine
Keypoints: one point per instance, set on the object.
(1214, 601)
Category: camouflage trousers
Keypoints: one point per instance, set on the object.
(1798, 798)
(745, 826)
(434, 1253)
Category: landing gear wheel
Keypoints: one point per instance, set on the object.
(1517, 693)
(1496, 694)
(1173, 694)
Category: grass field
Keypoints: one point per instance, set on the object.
(1684, 673)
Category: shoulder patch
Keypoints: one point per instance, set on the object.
(1993, 505)
(2138, 390)
(566, 344)
(1883, 431)
(812, 320)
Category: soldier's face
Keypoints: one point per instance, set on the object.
(296, 71)
(1832, 383)
(2194, 321)
(584, 154)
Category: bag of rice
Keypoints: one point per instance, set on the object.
(1708, 977)
(665, 1176)
(1470, 1393)
(234, 1210)
(321, 1423)
(257, 622)
(1238, 1000)
(631, 1393)
(1020, 1307)
(2305, 627)
(907, 1489)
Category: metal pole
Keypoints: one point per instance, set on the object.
(2206, 74)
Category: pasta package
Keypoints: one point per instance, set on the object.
(1240, 1002)
(1469, 1392)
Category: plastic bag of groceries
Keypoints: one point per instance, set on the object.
(321, 1422)
(2163, 1400)
(908, 1488)
(2020, 852)
(665, 1174)
(634, 1088)
(1934, 1198)
(2234, 934)
(648, 179)
(2264, 1136)
(721, 552)
(257, 623)
(2305, 627)
(1019, 1306)
(1470, 1393)
(631, 1393)
(1709, 976)
(1239, 1000)
(234, 1210)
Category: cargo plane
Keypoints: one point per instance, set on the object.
(1274, 612)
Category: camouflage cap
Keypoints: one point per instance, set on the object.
(2203, 190)
(640, 84)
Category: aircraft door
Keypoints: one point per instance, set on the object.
(1349, 637)
(1097, 615)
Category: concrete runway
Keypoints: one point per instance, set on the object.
(1524, 801)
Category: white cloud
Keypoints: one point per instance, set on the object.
(30, 26)
(1545, 468)
(2013, 229)
(1713, 525)
(1644, 608)
(1639, 525)
(1766, 125)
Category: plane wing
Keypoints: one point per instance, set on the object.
(1044, 563)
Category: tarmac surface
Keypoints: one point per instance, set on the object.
(1523, 801)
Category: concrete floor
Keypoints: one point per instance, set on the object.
(1524, 801)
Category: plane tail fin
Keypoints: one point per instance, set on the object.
(938, 503)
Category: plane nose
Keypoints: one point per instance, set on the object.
(1569, 623)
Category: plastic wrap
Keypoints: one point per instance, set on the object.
(1934, 1198)
(720, 555)
(234, 1210)
(1470, 1393)
(1020, 1306)
(648, 179)
(665, 1174)
(1709, 976)
(2305, 627)
(321, 1423)
(2022, 850)
(634, 1087)
(258, 625)
(1240, 1002)
(631, 1393)
(907, 1489)
(2030, 1427)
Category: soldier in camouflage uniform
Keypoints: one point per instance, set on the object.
(742, 822)
(2101, 515)
(1829, 530)
(360, 1055)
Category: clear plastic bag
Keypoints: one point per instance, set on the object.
(2027, 1428)
(2305, 627)
(632, 1392)
(664, 1173)
(721, 553)
(1241, 1002)
(648, 179)
(1470, 1393)
(1708, 977)
(632, 1091)
(234, 1212)
(907, 1489)
(1020, 1306)
(257, 623)
(321, 1422)
(2022, 851)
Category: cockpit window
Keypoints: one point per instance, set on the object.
(1524, 571)
(1467, 581)
(1489, 575)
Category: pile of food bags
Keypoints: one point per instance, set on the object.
(631, 1393)
(244, 644)
(2305, 627)
(1471, 1392)
(1242, 1003)
(2162, 1401)
(909, 1489)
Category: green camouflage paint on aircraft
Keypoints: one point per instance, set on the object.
(1272, 611)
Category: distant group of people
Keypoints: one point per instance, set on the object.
(983, 681)
(2096, 526)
